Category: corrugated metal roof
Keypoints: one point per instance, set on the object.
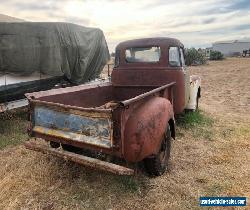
(232, 41)
(6, 18)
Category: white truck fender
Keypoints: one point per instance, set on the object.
(194, 92)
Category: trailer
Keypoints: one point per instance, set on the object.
(13, 87)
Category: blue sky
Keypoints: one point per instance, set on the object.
(196, 23)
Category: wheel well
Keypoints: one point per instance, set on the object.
(172, 127)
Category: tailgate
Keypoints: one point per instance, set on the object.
(89, 127)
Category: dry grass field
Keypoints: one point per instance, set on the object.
(210, 157)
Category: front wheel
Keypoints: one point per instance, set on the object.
(197, 99)
(157, 164)
(197, 103)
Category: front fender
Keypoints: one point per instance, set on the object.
(145, 128)
(194, 91)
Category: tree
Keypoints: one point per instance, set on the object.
(194, 57)
(216, 55)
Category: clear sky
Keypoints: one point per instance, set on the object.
(196, 23)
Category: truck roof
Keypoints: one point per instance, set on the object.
(157, 41)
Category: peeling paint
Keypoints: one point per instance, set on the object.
(95, 131)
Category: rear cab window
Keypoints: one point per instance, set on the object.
(117, 58)
(143, 54)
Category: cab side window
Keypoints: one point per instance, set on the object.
(182, 57)
(174, 57)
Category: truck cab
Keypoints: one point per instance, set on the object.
(155, 62)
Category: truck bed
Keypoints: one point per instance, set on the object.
(101, 96)
(87, 116)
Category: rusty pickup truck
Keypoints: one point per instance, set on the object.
(114, 125)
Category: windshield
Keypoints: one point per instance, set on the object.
(143, 54)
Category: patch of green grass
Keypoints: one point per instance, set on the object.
(13, 126)
(192, 119)
(198, 122)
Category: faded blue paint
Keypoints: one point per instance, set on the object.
(94, 127)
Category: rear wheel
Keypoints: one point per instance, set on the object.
(158, 164)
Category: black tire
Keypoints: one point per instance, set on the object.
(54, 144)
(197, 103)
(157, 165)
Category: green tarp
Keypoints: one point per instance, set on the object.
(55, 49)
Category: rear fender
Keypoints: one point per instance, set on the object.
(145, 128)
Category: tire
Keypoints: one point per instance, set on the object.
(157, 165)
(197, 103)
(54, 144)
(197, 99)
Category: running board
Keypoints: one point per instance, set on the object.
(80, 159)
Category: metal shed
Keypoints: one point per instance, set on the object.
(233, 47)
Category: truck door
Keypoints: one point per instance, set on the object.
(186, 75)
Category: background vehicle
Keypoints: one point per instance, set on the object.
(130, 118)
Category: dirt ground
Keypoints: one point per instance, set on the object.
(207, 160)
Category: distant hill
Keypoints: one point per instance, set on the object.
(6, 18)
